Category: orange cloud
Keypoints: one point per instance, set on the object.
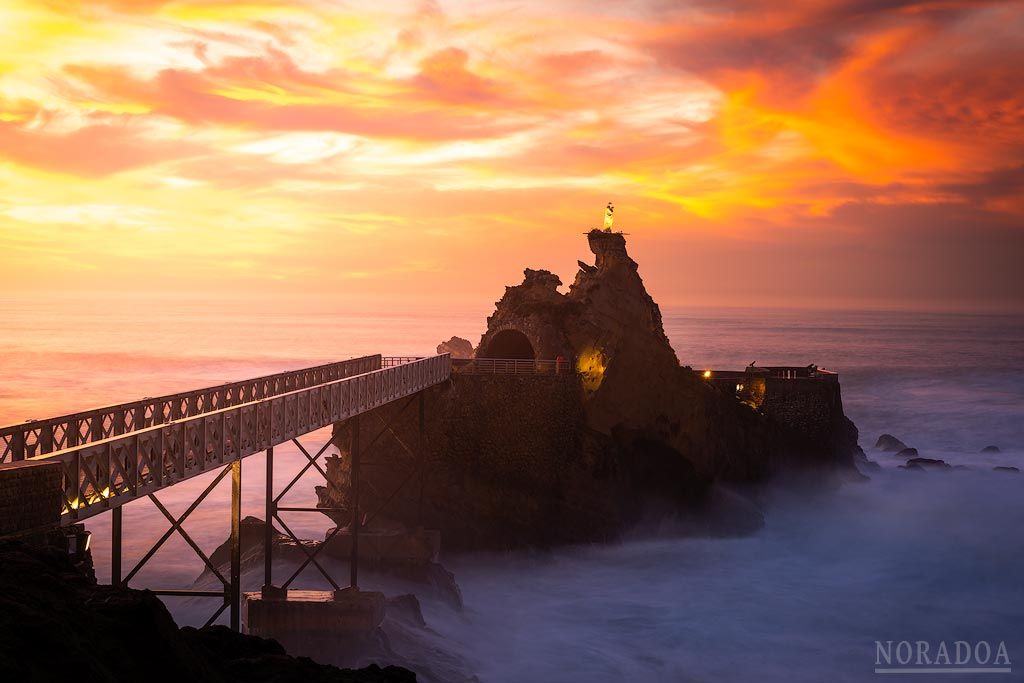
(378, 147)
(94, 150)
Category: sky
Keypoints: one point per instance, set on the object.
(824, 153)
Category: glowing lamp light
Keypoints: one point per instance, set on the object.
(707, 374)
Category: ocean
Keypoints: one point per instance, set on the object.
(906, 556)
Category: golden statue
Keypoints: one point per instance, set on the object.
(608, 217)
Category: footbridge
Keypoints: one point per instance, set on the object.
(94, 462)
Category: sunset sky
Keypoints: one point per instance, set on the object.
(806, 153)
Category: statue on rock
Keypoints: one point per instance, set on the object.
(609, 217)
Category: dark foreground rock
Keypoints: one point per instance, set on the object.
(889, 444)
(59, 625)
(248, 659)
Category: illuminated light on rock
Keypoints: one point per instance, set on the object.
(753, 392)
(591, 365)
(707, 374)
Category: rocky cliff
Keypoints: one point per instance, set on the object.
(58, 624)
(540, 459)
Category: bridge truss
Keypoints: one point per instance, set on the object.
(112, 456)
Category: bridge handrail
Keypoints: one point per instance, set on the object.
(511, 366)
(392, 361)
(110, 472)
(39, 437)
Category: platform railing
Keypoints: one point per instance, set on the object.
(39, 437)
(110, 472)
(511, 366)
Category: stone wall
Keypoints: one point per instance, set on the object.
(30, 496)
(503, 452)
(806, 406)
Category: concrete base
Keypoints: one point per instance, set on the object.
(387, 547)
(271, 592)
(30, 496)
(312, 623)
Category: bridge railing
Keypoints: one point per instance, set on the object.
(39, 437)
(511, 366)
(392, 361)
(110, 472)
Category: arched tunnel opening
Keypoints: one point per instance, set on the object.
(509, 344)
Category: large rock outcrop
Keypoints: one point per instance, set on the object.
(516, 460)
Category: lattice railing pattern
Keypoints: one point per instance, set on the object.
(39, 437)
(513, 366)
(110, 472)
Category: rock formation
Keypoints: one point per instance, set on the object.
(889, 443)
(457, 347)
(991, 449)
(517, 460)
(926, 464)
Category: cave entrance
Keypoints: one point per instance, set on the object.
(509, 344)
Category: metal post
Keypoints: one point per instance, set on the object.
(354, 528)
(18, 445)
(420, 464)
(234, 590)
(268, 536)
(115, 547)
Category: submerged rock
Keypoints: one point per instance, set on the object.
(407, 607)
(907, 453)
(251, 540)
(991, 449)
(1003, 468)
(863, 463)
(889, 444)
(926, 464)
(727, 513)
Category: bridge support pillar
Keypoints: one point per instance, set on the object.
(235, 588)
(268, 529)
(356, 518)
(421, 458)
(115, 546)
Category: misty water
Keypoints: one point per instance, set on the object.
(934, 556)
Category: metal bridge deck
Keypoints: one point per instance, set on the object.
(111, 456)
